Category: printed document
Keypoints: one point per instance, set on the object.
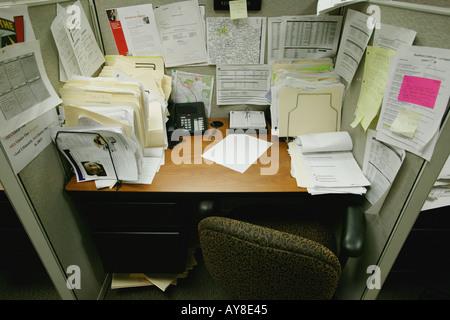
(192, 87)
(326, 168)
(309, 37)
(355, 36)
(242, 84)
(77, 47)
(236, 42)
(381, 165)
(139, 29)
(182, 33)
(391, 37)
(416, 98)
(25, 91)
(86, 148)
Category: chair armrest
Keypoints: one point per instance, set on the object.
(353, 233)
(206, 208)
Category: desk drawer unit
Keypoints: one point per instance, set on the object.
(138, 236)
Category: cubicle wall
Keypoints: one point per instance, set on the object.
(388, 230)
(60, 236)
(37, 192)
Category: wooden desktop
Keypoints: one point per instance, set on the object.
(195, 174)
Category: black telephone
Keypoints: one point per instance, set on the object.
(190, 117)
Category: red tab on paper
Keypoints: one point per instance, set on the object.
(18, 22)
(119, 37)
(418, 90)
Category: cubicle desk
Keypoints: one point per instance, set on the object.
(147, 228)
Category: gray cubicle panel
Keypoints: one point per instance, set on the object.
(388, 230)
(37, 192)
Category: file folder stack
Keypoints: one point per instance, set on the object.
(306, 97)
(130, 93)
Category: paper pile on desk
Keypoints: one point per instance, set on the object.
(131, 92)
(162, 281)
(102, 152)
(324, 163)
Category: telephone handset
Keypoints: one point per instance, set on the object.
(188, 116)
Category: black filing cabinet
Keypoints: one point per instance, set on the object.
(137, 232)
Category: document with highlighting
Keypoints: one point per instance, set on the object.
(309, 37)
(78, 49)
(416, 98)
(25, 91)
(355, 36)
(242, 84)
(231, 42)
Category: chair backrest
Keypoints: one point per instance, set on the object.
(255, 262)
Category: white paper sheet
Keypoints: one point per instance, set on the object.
(355, 37)
(25, 91)
(381, 165)
(309, 37)
(77, 47)
(242, 84)
(181, 30)
(237, 151)
(391, 37)
(139, 29)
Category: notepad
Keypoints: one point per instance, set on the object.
(247, 120)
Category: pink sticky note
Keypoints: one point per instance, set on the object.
(418, 90)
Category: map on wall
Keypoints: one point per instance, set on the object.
(192, 87)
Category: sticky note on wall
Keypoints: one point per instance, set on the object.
(238, 9)
(420, 91)
(406, 122)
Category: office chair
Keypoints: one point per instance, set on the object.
(278, 258)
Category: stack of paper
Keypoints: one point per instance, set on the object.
(306, 97)
(162, 281)
(99, 152)
(324, 163)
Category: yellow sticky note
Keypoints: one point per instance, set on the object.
(238, 9)
(406, 122)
